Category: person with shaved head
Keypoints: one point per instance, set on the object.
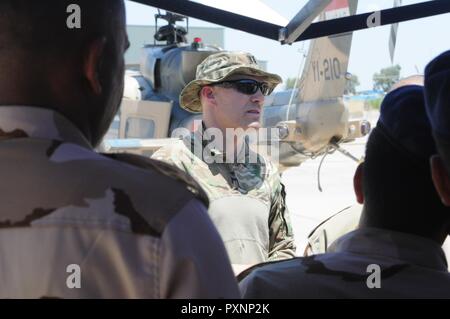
(396, 250)
(75, 223)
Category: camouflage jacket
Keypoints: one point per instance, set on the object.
(78, 224)
(323, 236)
(366, 263)
(247, 200)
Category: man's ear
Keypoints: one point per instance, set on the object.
(92, 62)
(207, 93)
(441, 179)
(358, 183)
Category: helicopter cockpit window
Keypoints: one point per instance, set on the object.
(139, 128)
(281, 98)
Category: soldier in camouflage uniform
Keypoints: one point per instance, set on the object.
(396, 251)
(247, 198)
(347, 220)
(75, 223)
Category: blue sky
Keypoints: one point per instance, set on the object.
(418, 41)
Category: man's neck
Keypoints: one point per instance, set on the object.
(231, 143)
(413, 226)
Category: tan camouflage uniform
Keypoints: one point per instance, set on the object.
(407, 266)
(322, 237)
(247, 200)
(135, 227)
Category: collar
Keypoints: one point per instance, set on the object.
(379, 242)
(36, 122)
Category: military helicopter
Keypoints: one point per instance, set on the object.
(312, 119)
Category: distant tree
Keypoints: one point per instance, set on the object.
(352, 83)
(289, 84)
(386, 78)
(375, 104)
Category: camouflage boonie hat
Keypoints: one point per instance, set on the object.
(217, 67)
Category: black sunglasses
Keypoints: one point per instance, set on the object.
(246, 86)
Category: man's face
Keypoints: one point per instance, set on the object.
(112, 76)
(235, 109)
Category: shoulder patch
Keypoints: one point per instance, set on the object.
(164, 169)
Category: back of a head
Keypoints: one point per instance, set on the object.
(398, 189)
(437, 96)
(416, 79)
(54, 26)
(44, 50)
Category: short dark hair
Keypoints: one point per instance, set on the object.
(32, 25)
(398, 186)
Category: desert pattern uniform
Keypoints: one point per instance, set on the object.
(134, 227)
(365, 263)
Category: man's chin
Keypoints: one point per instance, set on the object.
(254, 125)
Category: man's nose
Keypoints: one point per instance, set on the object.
(258, 97)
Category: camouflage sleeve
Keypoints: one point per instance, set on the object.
(177, 155)
(165, 168)
(170, 155)
(281, 237)
(194, 263)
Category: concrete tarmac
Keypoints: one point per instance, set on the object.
(307, 205)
